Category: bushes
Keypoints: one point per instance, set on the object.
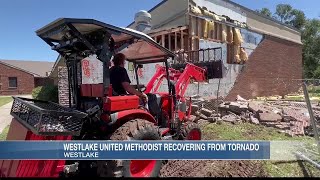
(46, 93)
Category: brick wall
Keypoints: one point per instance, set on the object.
(63, 86)
(270, 70)
(25, 81)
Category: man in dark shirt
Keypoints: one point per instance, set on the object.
(120, 80)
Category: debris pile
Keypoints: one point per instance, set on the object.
(288, 117)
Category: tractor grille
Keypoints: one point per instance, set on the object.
(47, 118)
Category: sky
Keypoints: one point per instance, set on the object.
(19, 19)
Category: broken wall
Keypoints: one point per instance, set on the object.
(223, 8)
(274, 68)
(230, 72)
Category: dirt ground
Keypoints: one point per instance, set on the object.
(206, 168)
(212, 169)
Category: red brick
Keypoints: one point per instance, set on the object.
(25, 81)
(270, 70)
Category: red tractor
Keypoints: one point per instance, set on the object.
(94, 113)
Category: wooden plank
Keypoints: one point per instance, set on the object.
(167, 31)
(200, 30)
(186, 43)
(163, 40)
(213, 40)
(182, 40)
(219, 32)
(215, 33)
(176, 41)
(190, 35)
(196, 28)
(169, 39)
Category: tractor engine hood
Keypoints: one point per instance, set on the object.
(87, 36)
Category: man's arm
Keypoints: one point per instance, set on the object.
(131, 90)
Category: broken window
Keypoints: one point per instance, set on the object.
(13, 83)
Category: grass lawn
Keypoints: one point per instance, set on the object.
(245, 131)
(4, 100)
(4, 133)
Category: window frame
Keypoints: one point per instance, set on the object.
(16, 83)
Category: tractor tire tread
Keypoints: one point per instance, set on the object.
(187, 127)
(136, 129)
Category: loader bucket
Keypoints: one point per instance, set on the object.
(30, 168)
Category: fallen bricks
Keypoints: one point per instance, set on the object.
(206, 112)
(288, 117)
(269, 117)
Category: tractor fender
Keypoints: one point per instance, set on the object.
(123, 116)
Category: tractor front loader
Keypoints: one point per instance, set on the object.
(94, 112)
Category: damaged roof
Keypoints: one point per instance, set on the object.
(237, 5)
(36, 68)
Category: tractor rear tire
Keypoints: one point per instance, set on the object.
(137, 129)
(190, 131)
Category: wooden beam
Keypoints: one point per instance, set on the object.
(168, 31)
(213, 40)
(175, 41)
(186, 43)
(197, 27)
(169, 39)
(182, 40)
(163, 40)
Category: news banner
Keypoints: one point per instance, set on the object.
(147, 150)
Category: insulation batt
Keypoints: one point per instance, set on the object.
(237, 37)
(236, 49)
(216, 17)
(210, 27)
(205, 28)
(237, 58)
(207, 13)
(230, 35)
(196, 10)
(224, 33)
(243, 55)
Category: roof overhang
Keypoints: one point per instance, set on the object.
(9, 65)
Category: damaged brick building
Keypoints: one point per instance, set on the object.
(247, 53)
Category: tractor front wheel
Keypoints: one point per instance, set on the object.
(137, 129)
(190, 131)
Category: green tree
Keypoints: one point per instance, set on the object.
(265, 11)
(284, 13)
(311, 48)
(298, 19)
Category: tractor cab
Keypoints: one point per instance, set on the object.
(94, 113)
(77, 39)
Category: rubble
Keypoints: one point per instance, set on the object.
(206, 112)
(254, 120)
(269, 117)
(291, 118)
(194, 108)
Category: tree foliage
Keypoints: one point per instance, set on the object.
(265, 11)
(311, 48)
(310, 34)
